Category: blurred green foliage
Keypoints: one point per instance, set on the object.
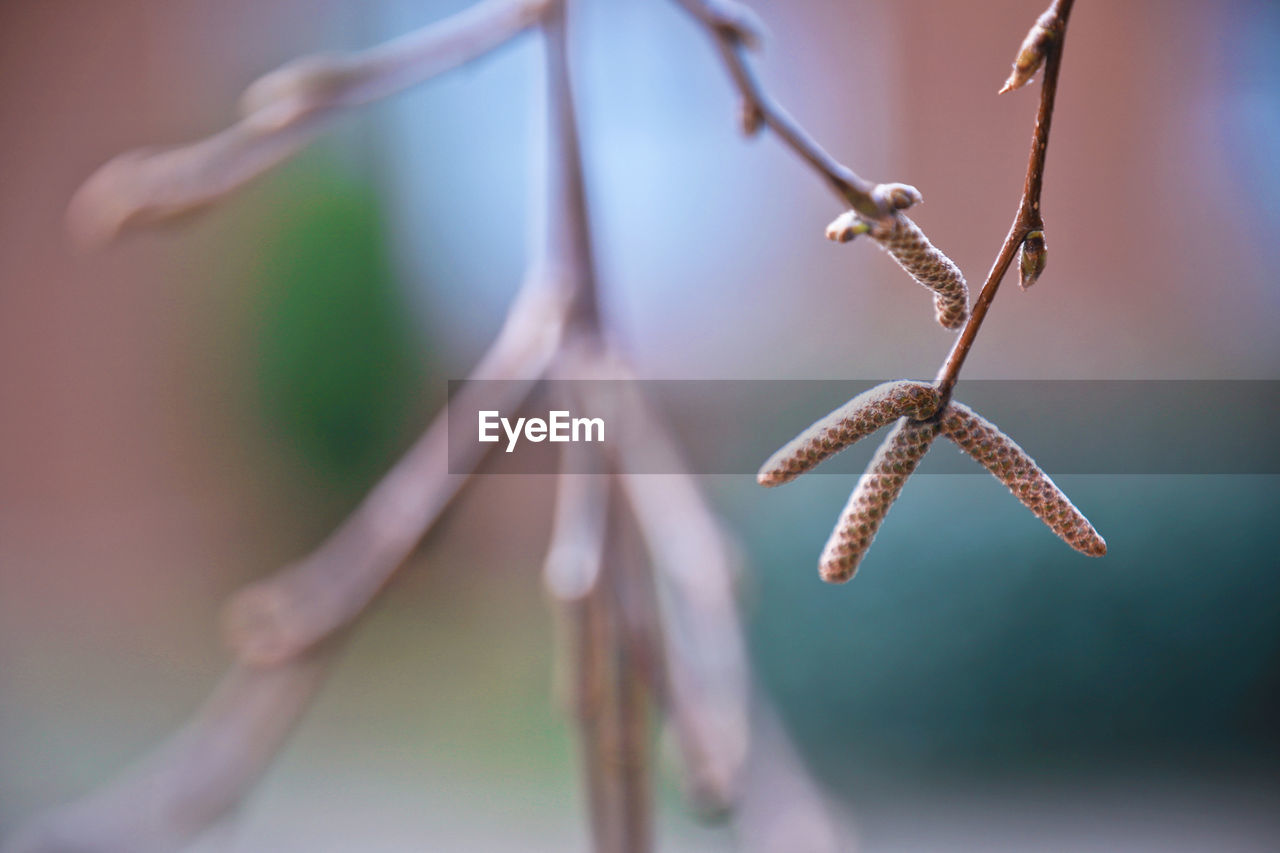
(339, 371)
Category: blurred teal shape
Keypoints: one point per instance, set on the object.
(972, 639)
(339, 373)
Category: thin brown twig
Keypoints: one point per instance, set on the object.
(734, 30)
(1028, 219)
(877, 209)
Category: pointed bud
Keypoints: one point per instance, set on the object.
(877, 489)
(1032, 257)
(846, 226)
(1011, 465)
(1033, 51)
(856, 419)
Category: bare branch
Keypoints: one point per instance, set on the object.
(879, 205)
(1028, 219)
(1011, 465)
(283, 111)
(612, 705)
(734, 27)
(197, 777)
(707, 692)
(578, 530)
(856, 419)
(280, 616)
(782, 809)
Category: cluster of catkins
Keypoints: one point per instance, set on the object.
(921, 413)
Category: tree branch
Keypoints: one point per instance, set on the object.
(196, 777)
(282, 112)
(1028, 220)
(734, 29)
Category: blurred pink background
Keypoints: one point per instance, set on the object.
(139, 485)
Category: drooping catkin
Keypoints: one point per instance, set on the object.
(877, 489)
(925, 263)
(859, 417)
(1011, 465)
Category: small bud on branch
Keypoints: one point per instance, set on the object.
(1034, 48)
(1032, 257)
(846, 226)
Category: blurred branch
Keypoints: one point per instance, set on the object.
(282, 112)
(282, 615)
(197, 777)
(695, 562)
(782, 808)
(667, 629)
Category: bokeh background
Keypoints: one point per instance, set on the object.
(192, 408)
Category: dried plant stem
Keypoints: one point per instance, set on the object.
(1028, 218)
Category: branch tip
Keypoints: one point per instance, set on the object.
(896, 196)
(1043, 35)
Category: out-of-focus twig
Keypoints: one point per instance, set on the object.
(706, 695)
(196, 777)
(282, 112)
(782, 809)
(282, 615)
